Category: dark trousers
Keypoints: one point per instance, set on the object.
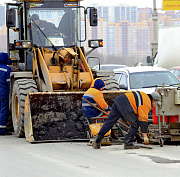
(129, 138)
(112, 119)
(4, 114)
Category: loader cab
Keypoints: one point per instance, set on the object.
(49, 24)
(54, 22)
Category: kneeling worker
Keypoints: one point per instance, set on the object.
(95, 96)
(94, 93)
(132, 107)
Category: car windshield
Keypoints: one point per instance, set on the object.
(58, 25)
(152, 79)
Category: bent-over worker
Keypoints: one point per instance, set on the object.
(132, 107)
(4, 91)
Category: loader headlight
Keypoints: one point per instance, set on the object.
(95, 43)
(24, 44)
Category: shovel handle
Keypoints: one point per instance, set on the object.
(104, 112)
(124, 125)
(147, 147)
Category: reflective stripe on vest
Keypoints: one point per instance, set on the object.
(89, 95)
(87, 104)
(2, 69)
(2, 126)
(138, 98)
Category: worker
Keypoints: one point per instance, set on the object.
(39, 27)
(133, 107)
(4, 92)
(95, 96)
(67, 27)
(94, 93)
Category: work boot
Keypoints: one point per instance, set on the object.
(128, 142)
(97, 142)
(131, 146)
(128, 139)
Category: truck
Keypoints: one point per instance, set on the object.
(168, 47)
(165, 124)
(50, 72)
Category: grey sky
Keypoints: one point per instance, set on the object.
(138, 3)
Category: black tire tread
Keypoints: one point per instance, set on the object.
(24, 86)
(111, 84)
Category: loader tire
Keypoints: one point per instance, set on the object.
(111, 84)
(21, 88)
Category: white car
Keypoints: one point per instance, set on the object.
(108, 67)
(144, 78)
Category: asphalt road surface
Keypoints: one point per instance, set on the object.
(19, 158)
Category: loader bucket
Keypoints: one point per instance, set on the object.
(57, 116)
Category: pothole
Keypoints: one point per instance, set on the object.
(160, 159)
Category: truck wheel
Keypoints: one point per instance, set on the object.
(161, 142)
(111, 84)
(21, 88)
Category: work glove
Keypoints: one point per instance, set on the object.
(146, 140)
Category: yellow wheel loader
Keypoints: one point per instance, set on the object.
(50, 72)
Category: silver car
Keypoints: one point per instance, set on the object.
(144, 78)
